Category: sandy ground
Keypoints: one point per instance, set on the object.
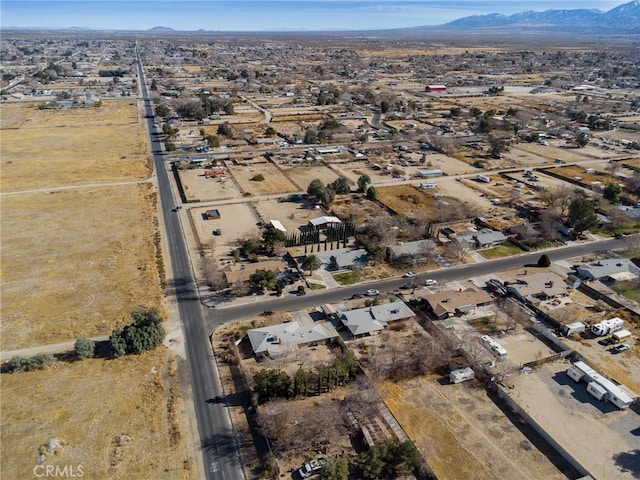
(232, 229)
(303, 176)
(274, 181)
(198, 187)
(66, 274)
(462, 433)
(126, 427)
(291, 214)
(574, 418)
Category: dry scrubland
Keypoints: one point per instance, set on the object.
(90, 406)
(75, 262)
(73, 147)
(462, 433)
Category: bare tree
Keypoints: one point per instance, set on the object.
(559, 197)
(613, 167)
(549, 222)
(214, 277)
(456, 250)
(632, 243)
(620, 219)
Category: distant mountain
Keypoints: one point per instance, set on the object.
(622, 19)
(160, 29)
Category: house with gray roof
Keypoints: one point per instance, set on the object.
(418, 248)
(370, 320)
(612, 269)
(278, 340)
(343, 259)
(483, 238)
(538, 286)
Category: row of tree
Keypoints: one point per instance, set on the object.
(274, 383)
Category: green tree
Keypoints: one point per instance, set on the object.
(455, 111)
(335, 469)
(544, 261)
(272, 237)
(375, 252)
(270, 131)
(582, 139)
(311, 263)
(162, 110)
(475, 112)
(371, 464)
(117, 344)
(498, 144)
(84, 348)
(363, 182)
(212, 141)
(371, 193)
(326, 196)
(225, 130)
(311, 136)
(612, 192)
(340, 185)
(384, 106)
(315, 187)
(582, 214)
(263, 279)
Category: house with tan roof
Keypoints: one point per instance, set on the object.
(456, 302)
(278, 340)
(539, 286)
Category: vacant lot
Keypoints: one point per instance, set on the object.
(462, 433)
(303, 176)
(291, 214)
(274, 181)
(405, 199)
(198, 187)
(116, 418)
(48, 157)
(75, 262)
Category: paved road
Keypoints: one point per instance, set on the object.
(220, 454)
(221, 314)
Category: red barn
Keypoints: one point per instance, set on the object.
(435, 88)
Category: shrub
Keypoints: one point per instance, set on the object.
(257, 178)
(84, 348)
(544, 260)
(27, 364)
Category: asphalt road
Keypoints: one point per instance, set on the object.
(222, 314)
(220, 454)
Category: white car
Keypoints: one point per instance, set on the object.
(429, 282)
(409, 275)
(372, 292)
(311, 467)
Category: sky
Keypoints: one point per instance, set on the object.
(267, 15)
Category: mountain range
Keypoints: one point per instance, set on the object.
(623, 19)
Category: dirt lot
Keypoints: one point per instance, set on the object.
(70, 259)
(232, 229)
(303, 176)
(462, 433)
(126, 427)
(406, 199)
(574, 418)
(274, 181)
(291, 214)
(198, 187)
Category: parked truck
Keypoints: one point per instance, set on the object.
(607, 327)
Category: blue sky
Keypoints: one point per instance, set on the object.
(241, 15)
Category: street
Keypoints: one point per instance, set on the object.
(219, 450)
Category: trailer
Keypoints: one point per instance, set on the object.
(607, 326)
(575, 374)
(620, 335)
(597, 391)
(575, 327)
(461, 375)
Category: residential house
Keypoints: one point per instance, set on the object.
(456, 302)
(539, 286)
(277, 225)
(278, 340)
(613, 269)
(370, 320)
(343, 259)
(483, 238)
(324, 222)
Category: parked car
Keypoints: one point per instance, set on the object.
(312, 467)
(606, 341)
(623, 347)
(217, 232)
(372, 292)
(429, 282)
(356, 295)
(409, 275)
